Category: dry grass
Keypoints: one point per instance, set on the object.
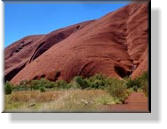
(27, 96)
(57, 101)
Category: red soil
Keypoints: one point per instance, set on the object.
(115, 44)
(136, 102)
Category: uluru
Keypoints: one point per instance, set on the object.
(115, 45)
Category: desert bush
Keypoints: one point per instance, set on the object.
(22, 86)
(61, 84)
(42, 83)
(42, 89)
(117, 89)
(139, 83)
(98, 77)
(98, 81)
(36, 84)
(73, 85)
(145, 89)
(144, 76)
(80, 82)
(134, 84)
(8, 88)
(144, 82)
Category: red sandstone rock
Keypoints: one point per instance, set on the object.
(24, 51)
(115, 45)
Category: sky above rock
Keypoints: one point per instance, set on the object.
(23, 19)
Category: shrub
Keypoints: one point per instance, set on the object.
(80, 82)
(22, 86)
(8, 88)
(73, 85)
(98, 77)
(40, 85)
(117, 89)
(61, 84)
(24, 83)
(42, 89)
(144, 82)
(138, 83)
(98, 81)
(134, 84)
(37, 84)
(50, 84)
(144, 76)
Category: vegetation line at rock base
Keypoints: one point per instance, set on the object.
(117, 88)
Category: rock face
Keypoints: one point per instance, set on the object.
(115, 45)
(24, 51)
